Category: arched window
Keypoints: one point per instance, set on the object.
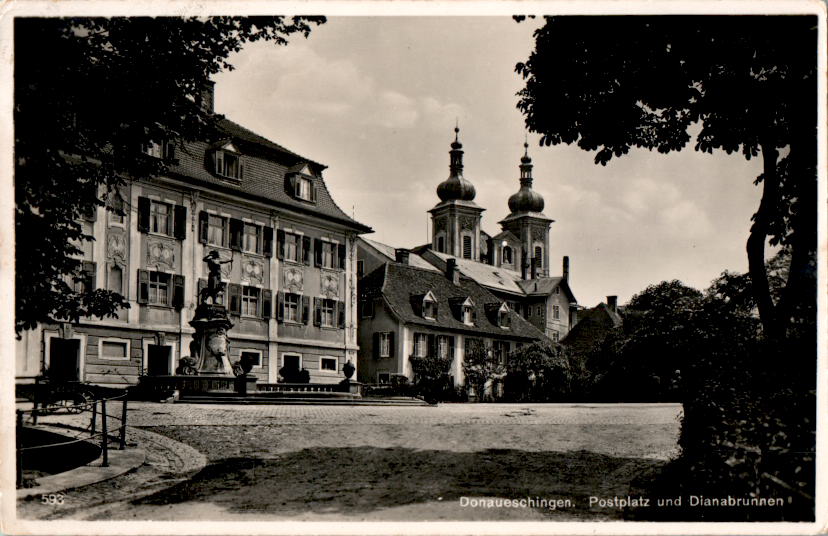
(539, 256)
(441, 244)
(467, 247)
(115, 279)
(507, 255)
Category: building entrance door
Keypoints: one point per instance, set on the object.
(64, 359)
(158, 360)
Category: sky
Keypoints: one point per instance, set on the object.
(376, 100)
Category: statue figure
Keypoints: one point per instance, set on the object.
(187, 366)
(214, 285)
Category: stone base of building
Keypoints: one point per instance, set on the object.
(190, 384)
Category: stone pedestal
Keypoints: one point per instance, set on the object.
(210, 346)
(246, 383)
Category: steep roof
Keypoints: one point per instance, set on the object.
(390, 253)
(543, 286)
(397, 283)
(593, 325)
(485, 274)
(264, 176)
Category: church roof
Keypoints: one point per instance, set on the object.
(485, 274)
(390, 253)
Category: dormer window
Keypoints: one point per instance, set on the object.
(301, 182)
(507, 255)
(467, 315)
(429, 307)
(228, 162)
(503, 318)
(165, 149)
(303, 188)
(463, 310)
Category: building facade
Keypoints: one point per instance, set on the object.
(408, 310)
(288, 259)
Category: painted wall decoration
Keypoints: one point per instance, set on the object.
(253, 270)
(160, 253)
(538, 234)
(116, 247)
(329, 285)
(467, 223)
(294, 280)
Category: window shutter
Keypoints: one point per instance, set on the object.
(267, 241)
(306, 250)
(280, 244)
(236, 227)
(180, 222)
(178, 291)
(241, 168)
(219, 158)
(317, 312)
(432, 345)
(305, 309)
(169, 150)
(313, 193)
(267, 303)
(434, 309)
(202, 284)
(451, 346)
(341, 248)
(143, 286)
(391, 344)
(376, 345)
(340, 310)
(202, 227)
(474, 316)
(317, 252)
(280, 306)
(143, 214)
(234, 292)
(294, 184)
(89, 269)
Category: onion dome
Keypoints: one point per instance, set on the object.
(456, 187)
(526, 199)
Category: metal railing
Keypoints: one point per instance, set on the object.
(90, 433)
(300, 387)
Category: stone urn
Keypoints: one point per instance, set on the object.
(348, 369)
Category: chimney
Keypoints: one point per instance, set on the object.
(402, 255)
(207, 98)
(566, 268)
(452, 273)
(612, 303)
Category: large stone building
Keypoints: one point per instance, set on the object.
(290, 267)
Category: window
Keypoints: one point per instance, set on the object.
(539, 311)
(445, 346)
(253, 356)
(467, 247)
(116, 214)
(330, 256)
(467, 314)
(228, 165)
(539, 256)
(507, 255)
(555, 336)
(384, 344)
(420, 344)
(328, 364)
(114, 349)
(304, 188)
(152, 149)
(292, 361)
(115, 279)
(160, 218)
(250, 301)
(503, 319)
(216, 230)
(557, 290)
(383, 377)
(252, 238)
(441, 244)
(501, 350)
(292, 302)
(428, 310)
(367, 308)
(328, 309)
(556, 312)
(159, 288)
(292, 245)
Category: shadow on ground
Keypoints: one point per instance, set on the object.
(359, 480)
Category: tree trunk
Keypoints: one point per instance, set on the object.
(757, 239)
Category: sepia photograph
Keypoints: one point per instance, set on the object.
(519, 268)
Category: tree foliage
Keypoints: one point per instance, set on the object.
(480, 366)
(89, 92)
(609, 84)
(538, 372)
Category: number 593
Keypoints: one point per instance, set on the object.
(52, 498)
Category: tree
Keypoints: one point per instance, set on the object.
(89, 93)
(612, 83)
(541, 369)
(480, 365)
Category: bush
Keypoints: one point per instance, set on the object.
(539, 372)
(431, 378)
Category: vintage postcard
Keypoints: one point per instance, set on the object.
(413, 267)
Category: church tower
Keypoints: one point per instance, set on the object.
(529, 224)
(455, 220)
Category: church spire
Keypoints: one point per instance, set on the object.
(526, 199)
(455, 187)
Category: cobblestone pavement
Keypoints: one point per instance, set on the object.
(374, 462)
(155, 414)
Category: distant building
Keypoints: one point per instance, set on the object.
(290, 288)
(593, 326)
(410, 310)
